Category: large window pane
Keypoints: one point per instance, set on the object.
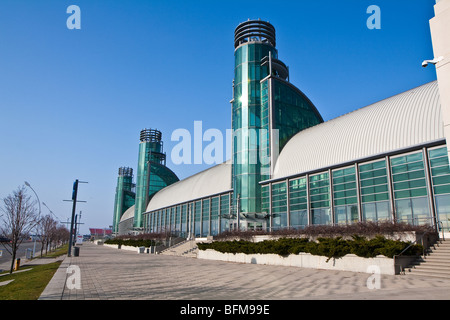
(279, 205)
(319, 186)
(410, 189)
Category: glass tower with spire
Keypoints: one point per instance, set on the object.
(125, 195)
(152, 173)
(267, 110)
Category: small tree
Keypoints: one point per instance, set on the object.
(19, 217)
(47, 227)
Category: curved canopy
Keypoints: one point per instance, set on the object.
(128, 214)
(209, 182)
(402, 121)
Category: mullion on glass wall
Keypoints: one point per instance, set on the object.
(298, 202)
(429, 187)
(410, 188)
(279, 205)
(319, 198)
(440, 178)
(345, 201)
(374, 190)
(215, 207)
(205, 217)
(225, 212)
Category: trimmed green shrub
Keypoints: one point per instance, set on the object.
(328, 247)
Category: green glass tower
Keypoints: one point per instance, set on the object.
(267, 110)
(125, 195)
(152, 173)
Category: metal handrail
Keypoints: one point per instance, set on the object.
(410, 245)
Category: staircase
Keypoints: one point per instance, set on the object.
(187, 248)
(435, 264)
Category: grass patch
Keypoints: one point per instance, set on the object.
(30, 284)
(53, 254)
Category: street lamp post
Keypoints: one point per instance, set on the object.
(74, 199)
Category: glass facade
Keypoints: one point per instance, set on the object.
(265, 108)
(246, 124)
(152, 174)
(292, 111)
(125, 195)
(374, 191)
(345, 199)
(410, 188)
(279, 206)
(319, 198)
(200, 218)
(440, 175)
(298, 202)
(267, 111)
(413, 187)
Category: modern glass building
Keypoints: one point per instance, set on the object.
(125, 195)
(152, 174)
(290, 169)
(383, 162)
(267, 110)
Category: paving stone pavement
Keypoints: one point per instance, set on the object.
(112, 274)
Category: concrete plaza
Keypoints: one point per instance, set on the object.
(111, 274)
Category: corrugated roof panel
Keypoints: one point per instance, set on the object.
(209, 182)
(407, 119)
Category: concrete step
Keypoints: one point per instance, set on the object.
(433, 268)
(419, 273)
(437, 259)
(436, 264)
(187, 248)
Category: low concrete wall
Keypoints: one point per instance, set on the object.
(152, 249)
(122, 247)
(349, 262)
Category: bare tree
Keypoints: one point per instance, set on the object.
(19, 217)
(47, 226)
(62, 235)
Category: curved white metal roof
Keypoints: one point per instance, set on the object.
(402, 121)
(208, 182)
(128, 214)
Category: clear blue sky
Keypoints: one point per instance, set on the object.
(74, 101)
